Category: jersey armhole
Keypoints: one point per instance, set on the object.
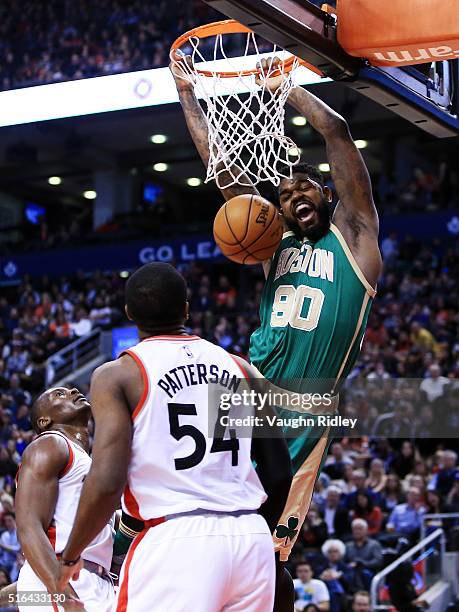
(143, 372)
(350, 257)
(68, 467)
(267, 263)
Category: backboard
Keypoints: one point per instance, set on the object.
(428, 98)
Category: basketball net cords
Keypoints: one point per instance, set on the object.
(256, 133)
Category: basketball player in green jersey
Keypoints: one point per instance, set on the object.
(320, 283)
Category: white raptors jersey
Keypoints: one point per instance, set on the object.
(177, 465)
(70, 484)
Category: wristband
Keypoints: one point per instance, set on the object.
(70, 563)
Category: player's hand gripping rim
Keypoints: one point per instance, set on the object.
(182, 69)
(272, 74)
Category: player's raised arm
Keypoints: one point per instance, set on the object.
(36, 497)
(355, 216)
(197, 126)
(110, 459)
(348, 169)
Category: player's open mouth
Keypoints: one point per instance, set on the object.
(304, 212)
(80, 397)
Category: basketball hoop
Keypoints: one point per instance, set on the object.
(247, 142)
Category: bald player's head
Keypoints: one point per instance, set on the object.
(59, 406)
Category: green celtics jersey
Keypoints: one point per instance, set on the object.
(313, 312)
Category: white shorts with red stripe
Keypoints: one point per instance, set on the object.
(96, 593)
(206, 562)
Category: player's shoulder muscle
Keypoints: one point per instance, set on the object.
(46, 455)
(115, 372)
(119, 380)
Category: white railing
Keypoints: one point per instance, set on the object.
(377, 581)
(73, 356)
(435, 517)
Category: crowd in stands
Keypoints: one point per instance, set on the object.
(374, 488)
(46, 42)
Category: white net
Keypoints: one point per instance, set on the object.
(245, 117)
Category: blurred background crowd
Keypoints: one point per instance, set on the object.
(48, 42)
(60, 40)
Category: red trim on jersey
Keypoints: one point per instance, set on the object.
(131, 503)
(69, 462)
(154, 522)
(123, 593)
(243, 370)
(51, 533)
(143, 372)
(69, 446)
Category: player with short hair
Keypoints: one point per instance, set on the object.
(320, 283)
(205, 546)
(49, 483)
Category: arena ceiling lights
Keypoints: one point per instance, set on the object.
(99, 95)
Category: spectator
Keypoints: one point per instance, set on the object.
(405, 519)
(389, 248)
(376, 333)
(377, 478)
(82, 324)
(359, 479)
(404, 460)
(319, 496)
(336, 462)
(9, 543)
(361, 602)
(309, 590)
(422, 338)
(60, 330)
(336, 517)
(314, 531)
(365, 509)
(433, 506)
(7, 466)
(101, 314)
(336, 574)
(392, 495)
(434, 387)
(347, 484)
(444, 479)
(363, 552)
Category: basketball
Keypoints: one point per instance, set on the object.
(248, 229)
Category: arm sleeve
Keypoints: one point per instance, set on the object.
(128, 528)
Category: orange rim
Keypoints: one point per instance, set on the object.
(230, 26)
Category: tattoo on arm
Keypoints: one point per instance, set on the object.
(197, 126)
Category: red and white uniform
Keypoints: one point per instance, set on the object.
(96, 593)
(209, 549)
